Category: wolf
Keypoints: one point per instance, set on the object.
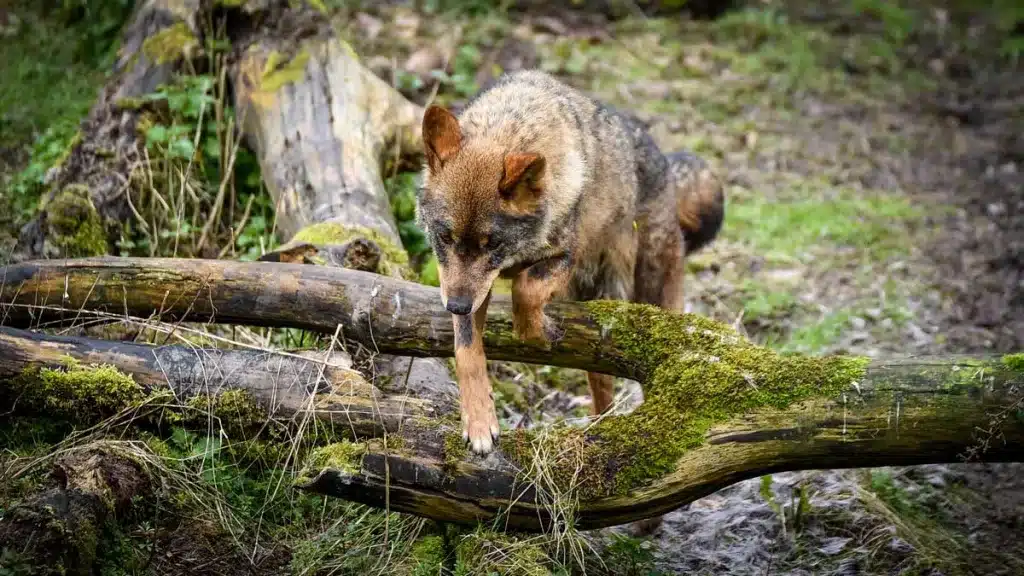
(569, 198)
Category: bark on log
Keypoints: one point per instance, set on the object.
(321, 124)
(717, 409)
(59, 529)
(289, 387)
(386, 315)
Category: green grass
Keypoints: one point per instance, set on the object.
(811, 221)
(766, 44)
(816, 336)
(779, 318)
(52, 69)
(767, 302)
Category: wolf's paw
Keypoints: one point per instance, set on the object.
(481, 431)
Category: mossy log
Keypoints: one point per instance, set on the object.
(57, 531)
(85, 204)
(717, 408)
(286, 387)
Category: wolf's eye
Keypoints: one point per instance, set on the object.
(490, 242)
(445, 236)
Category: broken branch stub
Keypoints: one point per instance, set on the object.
(59, 528)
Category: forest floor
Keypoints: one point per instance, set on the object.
(874, 167)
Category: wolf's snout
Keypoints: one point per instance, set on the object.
(460, 305)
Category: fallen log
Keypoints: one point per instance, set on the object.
(322, 124)
(717, 409)
(288, 387)
(386, 315)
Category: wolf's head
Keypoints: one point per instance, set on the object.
(481, 207)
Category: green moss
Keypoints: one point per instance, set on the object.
(66, 152)
(130, 103)
(236, 410)
(486, 552)
(75, 228)
(77, 393)
(454, 449)
(697, 373)
(1014, 362)
(427, 556)
(279, 71)
(349, 50)
(85, 539)
(170, 44)
(345, 456)
(319, 6)
(393, 443)
(393, 258)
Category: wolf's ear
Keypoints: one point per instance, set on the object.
(442, 136)
(521, 179)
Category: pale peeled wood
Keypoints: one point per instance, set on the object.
(321, 139)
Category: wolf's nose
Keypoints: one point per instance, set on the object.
(460, 305)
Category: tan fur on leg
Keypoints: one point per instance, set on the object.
(479, 420)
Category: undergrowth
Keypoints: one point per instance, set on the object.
(200, 191)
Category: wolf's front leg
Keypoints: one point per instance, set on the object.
(479, 421)
(532, 289)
